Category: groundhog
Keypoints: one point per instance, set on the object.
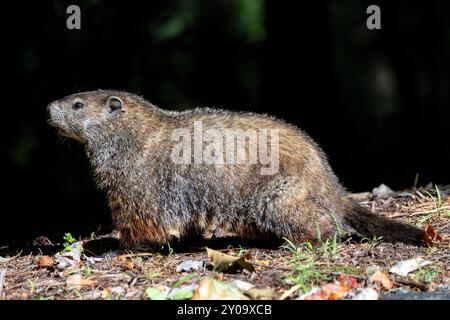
(170, 175)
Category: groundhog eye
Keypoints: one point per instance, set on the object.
(78, 105)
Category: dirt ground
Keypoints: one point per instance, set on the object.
(337, 269)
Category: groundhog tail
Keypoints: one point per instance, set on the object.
(368, 224)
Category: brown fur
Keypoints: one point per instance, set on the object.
(154, 200)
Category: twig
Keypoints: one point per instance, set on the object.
(17, 273)
(420, 285)
(287, 293)
(2, 279)
(273, 268)
(129, 255)
(421, 195)
(418, 213)
(4, 260)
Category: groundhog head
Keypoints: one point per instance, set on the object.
(83, 115)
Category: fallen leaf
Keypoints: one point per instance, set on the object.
(366, 294)
(430, 236)
(259, 293)
(380, 279)
(263, 262)
(190, 265)
(76, 249)
(211, 289)
(133, 294)
(69, 258)
(105, 294)
(382, 192)
(77, 281)
(313, 294)
(181, 294)
(332, 291)
(155, 294)
(118, 291)
(173, 293)
(404, 267)
(63, 263)
(242, 285)
(129, 265)
(121, 258)
(348, 281)
(224, 262)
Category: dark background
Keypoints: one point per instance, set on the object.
(376, 101)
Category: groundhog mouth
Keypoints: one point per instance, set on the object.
(52, 123)
(61, 131)
(57, 126)
(67, 134)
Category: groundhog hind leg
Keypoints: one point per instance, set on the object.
(288, 210)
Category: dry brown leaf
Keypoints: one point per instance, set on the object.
(129, 265)
(77, 281)
(224, 262)
(333, 291)
(210, 289)
(121, 258)
(259, 293)
(330, 291)
(430, 236)
(263, 262)
(380, 279)
(106, 294)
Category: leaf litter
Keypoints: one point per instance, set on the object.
(366, 269)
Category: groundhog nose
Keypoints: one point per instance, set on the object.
(56, 114)
(50, 106)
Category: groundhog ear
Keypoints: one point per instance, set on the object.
(114, 103)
